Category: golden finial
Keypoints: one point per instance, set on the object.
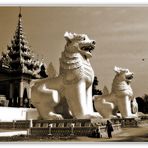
(20, 13)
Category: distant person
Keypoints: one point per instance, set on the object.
(109, 129)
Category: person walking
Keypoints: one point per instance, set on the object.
(109, 129)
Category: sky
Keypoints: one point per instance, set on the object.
(121, 35)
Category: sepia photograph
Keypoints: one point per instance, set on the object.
(74, 73)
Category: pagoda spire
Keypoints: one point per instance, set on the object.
(19, 54)
(19, 50)
(20, 13)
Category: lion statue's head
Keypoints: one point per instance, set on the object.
(79, 43)
(74, 61)
(121, 82)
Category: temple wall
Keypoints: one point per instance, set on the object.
(12, 113)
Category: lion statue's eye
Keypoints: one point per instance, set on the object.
(83, 38)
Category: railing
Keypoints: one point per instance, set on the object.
(82, 127)
(65, 131)
(44, 123)
(72, 127)
(22, 124)
(127, 122)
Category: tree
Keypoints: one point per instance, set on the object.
(145, 98)
(96, 91)
(141, 104)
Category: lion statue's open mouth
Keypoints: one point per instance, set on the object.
(80, 43)
(88, 49)
(129, 77)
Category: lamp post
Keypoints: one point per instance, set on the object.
(14, 124)
(49, 132)
(30, 126)
(72, 127)
(31, 123)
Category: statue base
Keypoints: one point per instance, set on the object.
(9, 114)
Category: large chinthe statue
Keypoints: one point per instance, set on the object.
(69, 93)
(121, 97)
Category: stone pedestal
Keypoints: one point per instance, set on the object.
(11, 113)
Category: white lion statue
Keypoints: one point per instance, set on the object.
(69, 93)
(121, 97)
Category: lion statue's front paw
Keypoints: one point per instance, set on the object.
(54, 116)
(95, 115)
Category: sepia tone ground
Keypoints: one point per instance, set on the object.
(139, 134)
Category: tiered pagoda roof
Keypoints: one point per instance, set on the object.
(19, 57)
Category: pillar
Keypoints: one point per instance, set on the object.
(11, 94)
(21, 91)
